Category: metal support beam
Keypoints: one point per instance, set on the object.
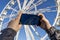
(24, 4)
(29, 4)
(58, 14)
(29, 35)
(18, 1)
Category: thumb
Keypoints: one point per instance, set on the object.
(20, 25)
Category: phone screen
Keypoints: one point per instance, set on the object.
(29, 19)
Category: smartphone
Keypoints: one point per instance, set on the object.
(29, 19)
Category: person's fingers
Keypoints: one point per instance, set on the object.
(40, 14)
(19, 25)
(19, 16)
(43, 17)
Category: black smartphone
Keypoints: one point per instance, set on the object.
(29, 19)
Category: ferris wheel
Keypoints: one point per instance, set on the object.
(10, 11)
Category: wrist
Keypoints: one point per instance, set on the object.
(12, 28)
(8, 32)
(51, 30)
(48, 25)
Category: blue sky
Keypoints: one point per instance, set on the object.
(49, 15)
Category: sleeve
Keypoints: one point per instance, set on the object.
(53, 33)
(7, 34)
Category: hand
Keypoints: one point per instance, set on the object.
(14, 24)
(44, 22)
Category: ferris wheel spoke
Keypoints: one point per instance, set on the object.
(40, 11)
(24, 4)
(12, 15)
(35, 4)
(29, 4)
(46, 10)
(9, 7)
(14, 9)
(51, 7)
(29, 12)
(35, 31)
(44, 37)
(39, 2)
(29, 34)
(19, 4)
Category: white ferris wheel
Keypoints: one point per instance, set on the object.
(29, 7)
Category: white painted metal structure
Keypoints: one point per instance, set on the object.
(29, 34)
(57, 20)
